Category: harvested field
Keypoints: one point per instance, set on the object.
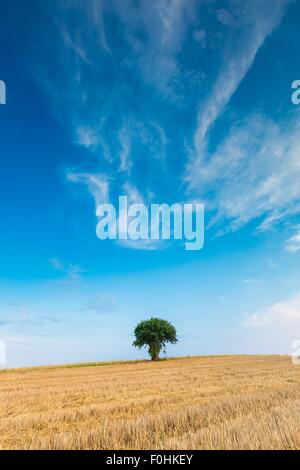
(222, 402)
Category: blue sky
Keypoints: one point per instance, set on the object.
(164, 101)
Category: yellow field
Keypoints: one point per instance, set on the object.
(239, 402)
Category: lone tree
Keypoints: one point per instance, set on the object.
(154, 334)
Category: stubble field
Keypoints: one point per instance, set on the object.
(229, 402)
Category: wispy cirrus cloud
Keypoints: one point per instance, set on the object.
(87, 93)
(247, 177)
(155, 32)
(97, 184)
(255, 22)
(126, 145)
(253, 174)
(23, 315)
(71, 272)
(114, 99)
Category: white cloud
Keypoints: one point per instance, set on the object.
(91, 138)
(81, 57)
(256, 21)
(87, 137)
(133, 194)
(254, 174)
(125, 142)
(248, 176)
(95, 11)
(163, 24)
(76, 47)
(97, 185)
(160, 143)
(155, 31)
(286, 313)
(71, 74)
(72, 272)
(293, 243)
(92, 11)
(18, 314)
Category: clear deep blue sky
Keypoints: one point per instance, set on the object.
(162, 101)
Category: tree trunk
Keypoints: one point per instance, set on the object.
(154, 350)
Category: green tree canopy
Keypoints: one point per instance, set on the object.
(154, 334)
